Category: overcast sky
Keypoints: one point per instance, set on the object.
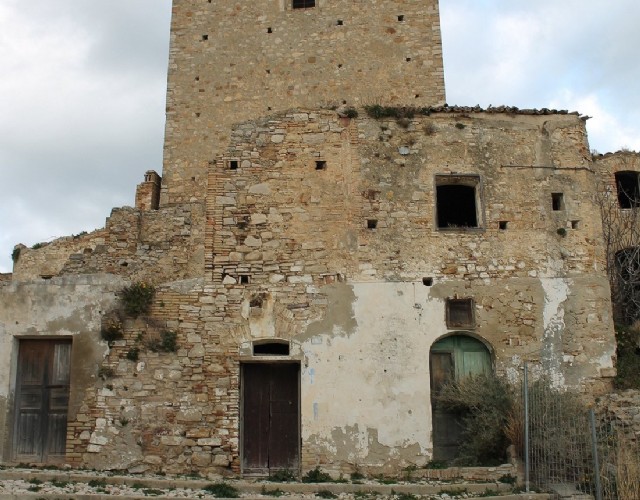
(82, 92)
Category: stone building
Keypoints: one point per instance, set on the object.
(329, 243)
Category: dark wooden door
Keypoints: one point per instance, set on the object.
(271, 421)
(446, 425)
(42, 400)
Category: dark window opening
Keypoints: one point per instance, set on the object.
(321, 164)
(503, 225)
(339, 23)
(205, 37)
(303, 4)
(372, 223)
(557, 201)
(460, 313)
(269, 30)
(271, 349)
(575, 224)
(244, 279)
(628, 186)
(427, 281)
(456, 203)
(401, 18)
(233, 164)
(408, 59)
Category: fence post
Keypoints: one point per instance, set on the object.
(594, 449)
(525, 397)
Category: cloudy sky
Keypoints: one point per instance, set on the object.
(83, 81)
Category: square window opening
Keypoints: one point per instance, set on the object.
(427, 281)
(457, 202)
(244, 279)
(233, 164)
(321, 165)
(628, 186)
(503, 224)
(303, 4)
(575, 224)
(460, 313)
(557, 201)
(372, 223)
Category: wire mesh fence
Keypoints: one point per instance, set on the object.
(576, 452)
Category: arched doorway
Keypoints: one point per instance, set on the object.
(452, 358)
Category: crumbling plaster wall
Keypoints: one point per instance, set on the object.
(234, 62)
(70, 307)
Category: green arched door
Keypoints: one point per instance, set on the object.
(452, 358)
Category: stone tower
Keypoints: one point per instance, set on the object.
(233, 61)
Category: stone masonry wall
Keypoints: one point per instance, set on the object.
(230, 62)
(161, 245)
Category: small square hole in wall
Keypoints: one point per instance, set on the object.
(427, 281)
(503, 225)
(557, 201)
(575, 224)
(372, 223)
(244, 279)
(339, 22)
(401, 18)
(269, 30)
(460, 313)
(205, 38)
(233, 164)
(321, 164)
(408, 59)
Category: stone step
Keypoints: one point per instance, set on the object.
(249, 490)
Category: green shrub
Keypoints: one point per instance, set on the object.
(326, 494)
(15, 255)
(282, 476)
(484, 404)
(316, 476)
(272, 493)
(436, 464)
(351, 113)
(137, 298)
(133, 354)
(222, 490)
(111, 330)
(166, 343)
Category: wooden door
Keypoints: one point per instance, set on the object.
(42, 399)
(446, 425)
(452, 358)
(271, 421)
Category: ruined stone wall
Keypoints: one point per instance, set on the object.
(290, 254)
(161, 245)
(233, 62)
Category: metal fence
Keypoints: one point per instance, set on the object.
(575, 452)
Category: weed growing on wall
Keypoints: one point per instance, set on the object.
(166, 342)
(15, 255)
(137, 298)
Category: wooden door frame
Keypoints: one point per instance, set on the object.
(15, 371)
(241, 406)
